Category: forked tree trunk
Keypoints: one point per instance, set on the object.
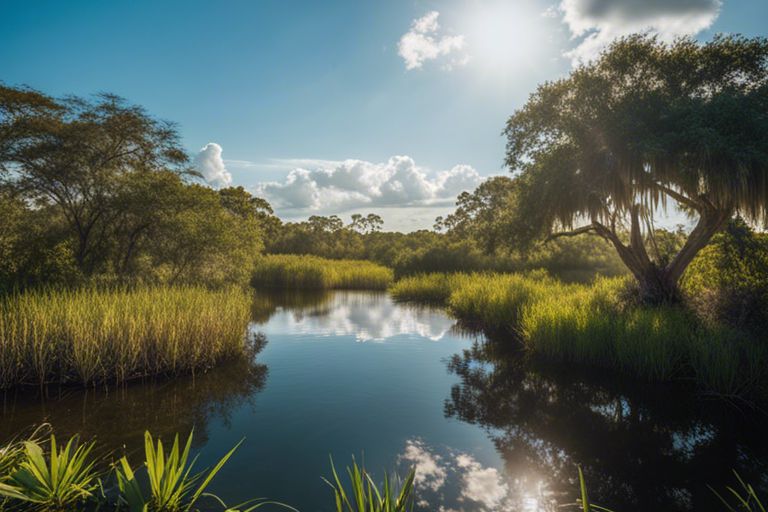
(661, 284)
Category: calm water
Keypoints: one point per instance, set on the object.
(352, 373)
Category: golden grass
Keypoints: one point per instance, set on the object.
(312, 272)
(89, 336)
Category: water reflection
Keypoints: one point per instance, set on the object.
(639, 448)
(451, 480)
(366, 316)
(120, 416)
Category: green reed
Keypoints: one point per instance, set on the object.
(95, 335)
(312, 272)
(593, 325)
(363, 495)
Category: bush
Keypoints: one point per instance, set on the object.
(728, 280)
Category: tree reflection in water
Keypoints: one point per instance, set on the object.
(640, 449)
(119, 416)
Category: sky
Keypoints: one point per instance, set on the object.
(331, 107)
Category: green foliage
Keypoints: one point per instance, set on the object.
(59, 482)
(98, 191)
(728, 281)
(66, 479)
(364, 495)
(93, 335)
(172, 485)
(646, 124)
(311, 272)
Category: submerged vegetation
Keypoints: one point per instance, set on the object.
(91, 336)
(595, 325)
(311, 272)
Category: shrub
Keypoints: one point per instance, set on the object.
(728, 280)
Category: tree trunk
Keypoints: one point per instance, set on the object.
(661, 284)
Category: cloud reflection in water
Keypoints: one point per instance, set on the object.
(350, 313)
(454, 481)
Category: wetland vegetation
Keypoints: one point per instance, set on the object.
(120, 269)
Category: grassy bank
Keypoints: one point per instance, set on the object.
(590, 325)
(312, 272)
(89, 336)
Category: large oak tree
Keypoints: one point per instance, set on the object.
(645, 126)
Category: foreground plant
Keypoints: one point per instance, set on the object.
(365, 496)
(743, 500)
(63, 480)
(172, 486)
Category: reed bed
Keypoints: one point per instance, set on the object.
(591, 325)
(312, 272)
(91, 336)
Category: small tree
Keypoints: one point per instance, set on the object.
(646, 125)
(72, 153)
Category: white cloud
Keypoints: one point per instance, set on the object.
(482, 484)
(430, 471)
(595, 23)
(210, 164)
(339, 186)
(423, 43)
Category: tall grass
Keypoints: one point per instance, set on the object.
(88, 336)
(313, 272)
(591, 325)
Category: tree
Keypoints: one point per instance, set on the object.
(646, 125)
(240, 202)
(371, 223)
(71, 153)
(482, 214)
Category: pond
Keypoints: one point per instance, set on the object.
(352, 373)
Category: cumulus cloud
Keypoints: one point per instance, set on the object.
(341, 186)
(595, 23)
(482, 484)
(424, 42)
(210, 164)
(430, 471)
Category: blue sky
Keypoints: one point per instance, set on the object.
(336, 107)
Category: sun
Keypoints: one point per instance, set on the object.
(503, 36)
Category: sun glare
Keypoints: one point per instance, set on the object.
(503, 36)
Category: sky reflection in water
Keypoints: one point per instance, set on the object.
(352, 373)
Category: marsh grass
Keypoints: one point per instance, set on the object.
(311, 272)
(593, 325)
(91, 336)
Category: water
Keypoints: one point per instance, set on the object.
(352, 373)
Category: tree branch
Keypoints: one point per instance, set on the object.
(680, 198)
(575, 232)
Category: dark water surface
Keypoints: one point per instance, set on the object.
(348, 373)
